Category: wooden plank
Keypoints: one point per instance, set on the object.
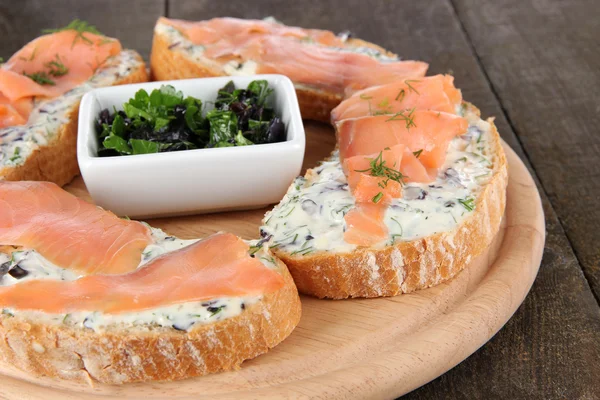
(547, 79)
(554, 335)
(130, 21)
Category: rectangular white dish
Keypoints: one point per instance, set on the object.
(191, 181)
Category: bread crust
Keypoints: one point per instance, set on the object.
(57, 161)
(136, 355)
(167, 63)
(412, 265)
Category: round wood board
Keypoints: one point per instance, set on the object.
(354, 349)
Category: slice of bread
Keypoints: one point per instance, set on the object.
(54, 157)
(407, 265)
(136, 353)
(173, 57)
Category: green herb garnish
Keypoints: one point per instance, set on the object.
(16, 155)
(215, 310)
(377, 197)
(40, 77)
(401, 116)
(468, 203)
(417, 153)
(164, 120)
(401, 95)
(260, 88)
(377, 167)
(79, 26)
(410, 87)
(56, 67)
(254, 249)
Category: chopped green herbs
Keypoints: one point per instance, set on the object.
(402, 116)
(377, 167)
(56, 67)
(303, 251)
(398, 223)
(468, 203)
(254, 249)
(417, 153)
(165, 120)
(377, 197)
(79, 26)
(411, 87)
(215, 310)
(16, 155)
(40, 77)
(401, 95)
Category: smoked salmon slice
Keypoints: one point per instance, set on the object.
(325, 67)
(216, 267)
(229, 29)
(435, 93)
(307, 56)
(426, 132)
(68, 231)
(376, 177)
(52, 65)
(14, 113)
(413, 170)
(364, 225)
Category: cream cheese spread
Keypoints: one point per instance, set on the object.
(25, 265)
(311, 215)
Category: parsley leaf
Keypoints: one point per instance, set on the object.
(117, 143)
(223, 127)
(140, 146)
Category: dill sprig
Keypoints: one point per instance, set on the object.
(468, 203)
(378, 168)
(401, 116)
(79, 26)
(401, 95)
(40, 77)
(417, 153)
(411, 87)
(56, 67)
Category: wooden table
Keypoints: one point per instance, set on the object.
(532, 64)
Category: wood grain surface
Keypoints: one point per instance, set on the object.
(130, 21)
(548, 80)
(535, 61)
(359, 348)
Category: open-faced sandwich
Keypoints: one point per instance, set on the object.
(416, 187)
(415, 190)
(86, 295)
(40, 89)
(322, 66)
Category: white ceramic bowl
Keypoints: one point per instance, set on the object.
(191, 181)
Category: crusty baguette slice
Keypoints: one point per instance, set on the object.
(56, 161)
(407, 265)
(122, 355)
(170, 60)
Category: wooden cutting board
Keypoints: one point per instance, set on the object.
(353, 349)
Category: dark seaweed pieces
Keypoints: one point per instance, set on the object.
(166, 121)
